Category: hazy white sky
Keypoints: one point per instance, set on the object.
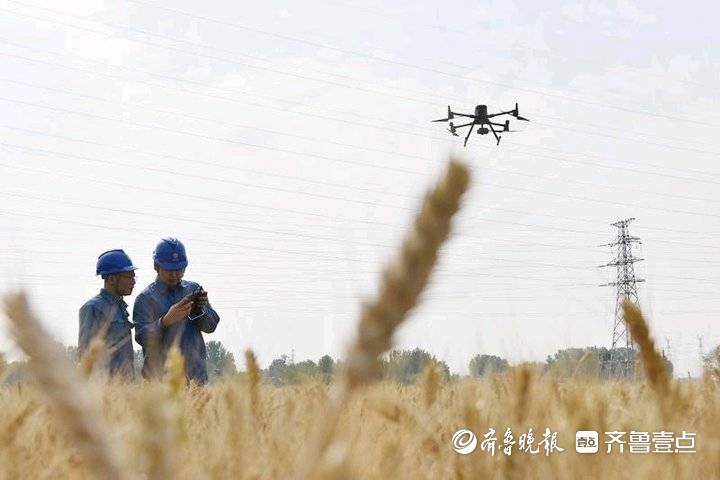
(288, 145)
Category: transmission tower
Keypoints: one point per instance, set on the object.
(622, 363)
(700, 347)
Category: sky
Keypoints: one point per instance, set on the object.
(288, 145)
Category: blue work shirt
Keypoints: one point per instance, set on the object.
(107, 313)
(150, 306)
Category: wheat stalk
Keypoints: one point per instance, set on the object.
(253, 381)
(406, 277)
(157, 434)
(78, 406)
(652, 360)
(402, 283)
(175, 368)
(431, 384)
(96, 354)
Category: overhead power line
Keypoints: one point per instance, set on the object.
(412, 66)
(384, 128)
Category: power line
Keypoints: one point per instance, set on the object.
(235, 202)
(274, 232)
(188, 195)
(205, 162)
(125, 28)
(534, 51)
(410, 65)
(184, 114)
(343, 120)
(187, 115)
(207, 137)
(214, 48)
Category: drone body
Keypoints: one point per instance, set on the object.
(481, 118)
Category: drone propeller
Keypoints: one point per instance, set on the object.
(516, 114)
(450, 116)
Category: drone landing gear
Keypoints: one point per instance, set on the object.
(494, 133)
(469, 133)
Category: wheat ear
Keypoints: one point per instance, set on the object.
(402, 283)
(78, 406)
(252, 373)
(651, 359)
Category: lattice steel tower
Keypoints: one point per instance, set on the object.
(626, 284)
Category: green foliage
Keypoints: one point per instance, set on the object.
(278, 372)
(712, 359)
(483, 364)
(568, 362)
(597, 362)
(326, 364)
(282, 372)
(404, 366)
(219, 360)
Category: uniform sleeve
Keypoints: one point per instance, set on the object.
(209, 321)
(147, 321)
(88, 327)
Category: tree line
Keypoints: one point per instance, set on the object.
(406, 366)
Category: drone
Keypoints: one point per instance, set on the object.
(482, 118)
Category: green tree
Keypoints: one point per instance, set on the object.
(278, 371)
(589, 361)
(404, 366)
(326, 368)
(305, 370)
(219, 360)
(282, 372)
(483, 364)
(326, 365)
(711, 360)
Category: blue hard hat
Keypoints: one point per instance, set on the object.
(169, 254)
(113, 261)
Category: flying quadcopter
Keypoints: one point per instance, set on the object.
(481, 118)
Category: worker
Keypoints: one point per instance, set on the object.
(106, 314)
(172, 310)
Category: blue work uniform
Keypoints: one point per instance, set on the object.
(106, 313)
(150, 306)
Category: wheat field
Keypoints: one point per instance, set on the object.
(386, 431)
(71, 422)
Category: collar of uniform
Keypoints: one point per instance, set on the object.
(164, 288)
(112, 297)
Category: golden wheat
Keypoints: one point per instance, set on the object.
(242, 428)
(77, 405)
(402, 283)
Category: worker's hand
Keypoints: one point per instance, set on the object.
(177, 312)
(202, 300)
